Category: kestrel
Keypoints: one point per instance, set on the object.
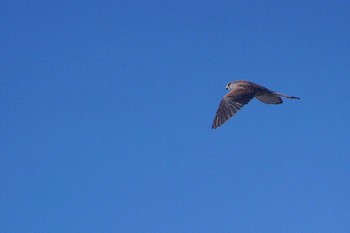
(241, 92)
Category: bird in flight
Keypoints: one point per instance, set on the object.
(240, 93)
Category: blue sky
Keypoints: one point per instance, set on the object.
(106, 108)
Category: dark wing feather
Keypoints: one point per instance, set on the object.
(269, 99)
(231, 103)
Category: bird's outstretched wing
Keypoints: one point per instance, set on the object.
(231, 103)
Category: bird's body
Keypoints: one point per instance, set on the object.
(241, 92)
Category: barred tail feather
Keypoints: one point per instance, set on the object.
(286, 96)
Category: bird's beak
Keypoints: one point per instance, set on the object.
(226, 87)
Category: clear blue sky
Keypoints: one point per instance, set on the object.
(106, 108)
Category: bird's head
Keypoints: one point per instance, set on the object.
(230, 85)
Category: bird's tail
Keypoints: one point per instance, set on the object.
(286, 96)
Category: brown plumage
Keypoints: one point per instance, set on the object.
(241, 92)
